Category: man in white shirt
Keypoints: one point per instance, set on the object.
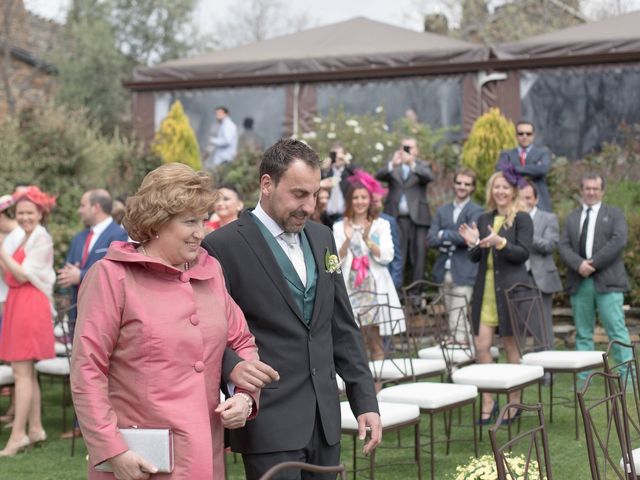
(224, 142)
(591, 246)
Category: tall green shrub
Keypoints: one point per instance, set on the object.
(175, 140)
(490, 134)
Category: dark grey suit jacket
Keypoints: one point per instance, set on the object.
(537, 165)
(609, 241)
(414, 187)
(546, 234)
(463, 270)
(307, 358)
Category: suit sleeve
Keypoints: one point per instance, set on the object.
(546, 241)
(539, 169)
(423, 171)
(384, 174)
(615, 244)
(100, 306)
(348, 353)
(432, 237)
(571, 259)
(518, 251)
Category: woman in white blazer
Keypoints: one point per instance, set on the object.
(366, 248)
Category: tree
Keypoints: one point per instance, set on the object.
(175, 140)
(490, 134)
(258, 20)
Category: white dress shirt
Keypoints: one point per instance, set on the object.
(336, 197)
(591, 229)
(290, 243)
(98, 229)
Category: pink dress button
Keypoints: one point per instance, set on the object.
(194, 320)
(184, 277)
(198, 366)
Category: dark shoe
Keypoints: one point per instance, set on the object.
(76, 432)
(492, 415)
(513, 419)
(547, 379)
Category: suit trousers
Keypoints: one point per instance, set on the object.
(316, 452)
(458, 309)
(609, 305)
(413, 245)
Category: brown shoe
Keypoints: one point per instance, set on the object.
(76, 432)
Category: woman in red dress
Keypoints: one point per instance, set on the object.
(27, 328)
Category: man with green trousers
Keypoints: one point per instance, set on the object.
(591, 246)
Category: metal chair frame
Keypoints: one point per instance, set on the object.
(526, 297)
(338, 469)
(599, 438)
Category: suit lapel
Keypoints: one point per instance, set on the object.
(323, 277)
(252, 235)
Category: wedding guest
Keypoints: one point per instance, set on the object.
(320, 214)
(365, 248)
(500, 243)
(27, 328)
(154, 318)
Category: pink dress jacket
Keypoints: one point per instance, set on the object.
(148, 352)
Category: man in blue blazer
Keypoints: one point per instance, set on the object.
(90, 245)
(453, 267)
(530, 161)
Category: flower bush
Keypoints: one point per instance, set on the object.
(484, 468)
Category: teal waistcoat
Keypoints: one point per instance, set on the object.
(303, 297)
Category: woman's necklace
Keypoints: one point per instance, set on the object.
(186, 265)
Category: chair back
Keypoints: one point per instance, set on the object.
(531, 444)
(415, 297)
(524, 304)
(606, 427)
(389, 347)
(339, 469)
(628, 372)
(60, 322)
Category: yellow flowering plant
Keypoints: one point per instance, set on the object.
(484, 468)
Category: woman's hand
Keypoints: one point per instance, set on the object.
(491, 240)
(131, 466)
(470, 234)
(233, 412)
(367, 228)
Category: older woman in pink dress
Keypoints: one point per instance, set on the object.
(154, 319)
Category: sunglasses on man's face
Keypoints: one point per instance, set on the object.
(463, 184)
(525, 134)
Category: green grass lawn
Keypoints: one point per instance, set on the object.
(569, 457)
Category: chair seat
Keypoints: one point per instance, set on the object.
(396, 368)
(54, 366)
(635, 454)
(341, 385)
(391, 415)
(497, 375)
(428, 395)
(563, 358)
(457, 353)
(6, 375)
(60, 349)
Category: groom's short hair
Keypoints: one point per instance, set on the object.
(278, 157)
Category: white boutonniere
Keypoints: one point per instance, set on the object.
(331, 262)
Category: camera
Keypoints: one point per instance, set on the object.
(406, 148)
(333, 156)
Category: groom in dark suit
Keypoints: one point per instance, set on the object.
(280, 270)
(530, 161)
(591, 246)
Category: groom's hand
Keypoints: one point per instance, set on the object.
(252, 375)
(369, 424)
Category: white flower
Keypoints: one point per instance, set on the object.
(331, 135)
(379, 109)
(376, 159)
(348, 157)
(332, 126)
(357, 130)
(310, 135)
(351, 123)
(379, 147)
(389, 143)
(317, 120)
(385, 127)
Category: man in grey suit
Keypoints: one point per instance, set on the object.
(546, 233)
(282, 272)
(453, 267)
(407, 177)
(530, 161)
(591, 246)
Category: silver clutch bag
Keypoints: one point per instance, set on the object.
(155, 445)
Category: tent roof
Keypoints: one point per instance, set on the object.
(617, 35)
(354, 45)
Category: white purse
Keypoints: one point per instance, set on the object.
(155, 445)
